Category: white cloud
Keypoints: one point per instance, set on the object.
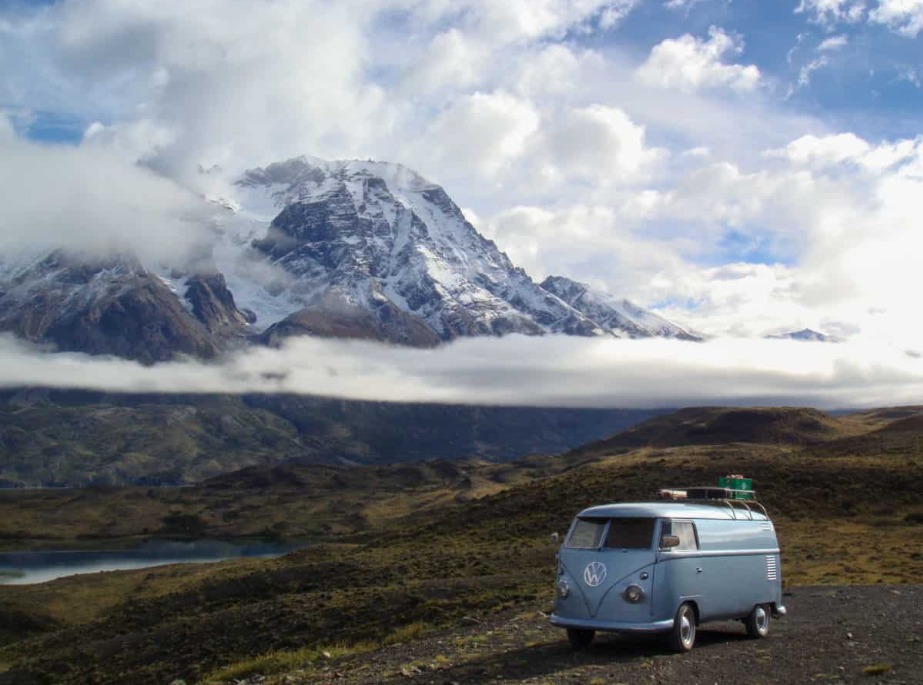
(553, 70)
(549, 371)
(483, 132)
(599, 144)
(833, 43)
(689, 63)
(831, 12)
(228, 80)
(902, 16)
(587, 242)
(91, 200)
(804, 74)
(825, 151)
(682, 4)
(516, 20)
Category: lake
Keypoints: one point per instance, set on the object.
(24, 568)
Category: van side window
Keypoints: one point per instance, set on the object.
(630, 533)
(586, 534)
(685, 531)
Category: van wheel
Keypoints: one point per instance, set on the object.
(682, 636)
(757, 621)
(580, 639)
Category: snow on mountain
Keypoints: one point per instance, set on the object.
(805, 335)
(617, 315)
(375, 236)
(103, 305)
(355, 249)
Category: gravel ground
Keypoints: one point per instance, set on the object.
(849, 634)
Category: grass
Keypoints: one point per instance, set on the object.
(877, 669)
(282, 661)
(287, 661)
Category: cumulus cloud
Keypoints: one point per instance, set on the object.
(549, 371)
(831, 12)
(825, 224)
(690, 63)
(92, 201)
(904, 17)
(901, 16)
(593, 241)
(840, 244)
(824, 151)
(833, 43)
(485, 132)
(599, 143)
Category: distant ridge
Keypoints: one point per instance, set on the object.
(721, 425)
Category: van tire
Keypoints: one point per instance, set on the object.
(681, 637)
(758, 620)
(580, 639)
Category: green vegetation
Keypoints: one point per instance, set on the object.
(401, 550)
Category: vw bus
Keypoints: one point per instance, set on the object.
(707, 554)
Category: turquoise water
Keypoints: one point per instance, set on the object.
(27, 567)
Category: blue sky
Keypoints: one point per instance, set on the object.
(746, 166)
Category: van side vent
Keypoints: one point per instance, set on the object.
(766, 525)
(772, 572)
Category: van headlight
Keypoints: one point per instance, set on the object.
(563, 588)
(633, 594)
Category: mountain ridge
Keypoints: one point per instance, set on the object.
(356, 249)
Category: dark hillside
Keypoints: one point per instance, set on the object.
(57, 438)
(721, 425)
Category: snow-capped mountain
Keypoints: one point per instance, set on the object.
(614, 314)
(113, 305)
(336, 249)
(367, 237)
(804, 335)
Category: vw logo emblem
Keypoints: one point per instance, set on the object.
(594, 573)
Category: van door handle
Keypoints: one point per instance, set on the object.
(698, 569)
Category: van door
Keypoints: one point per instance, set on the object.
(682, 573)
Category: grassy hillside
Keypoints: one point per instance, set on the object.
(447, 543)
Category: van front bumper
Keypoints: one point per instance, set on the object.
(613, 626)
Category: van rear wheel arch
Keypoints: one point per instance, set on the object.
(758, 621)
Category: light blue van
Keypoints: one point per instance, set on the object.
(665, 567)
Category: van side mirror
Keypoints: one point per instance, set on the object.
(554, 538)
(668, 541)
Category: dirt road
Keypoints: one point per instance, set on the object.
(831, 635)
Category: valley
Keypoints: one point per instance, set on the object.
(399, 553)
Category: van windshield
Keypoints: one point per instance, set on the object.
(635, 533)
(586, 534)
(624, 533)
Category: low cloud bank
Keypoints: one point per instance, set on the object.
(515, 370)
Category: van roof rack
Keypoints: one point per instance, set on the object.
(742, 502)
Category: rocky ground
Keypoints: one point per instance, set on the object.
(846, 634)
